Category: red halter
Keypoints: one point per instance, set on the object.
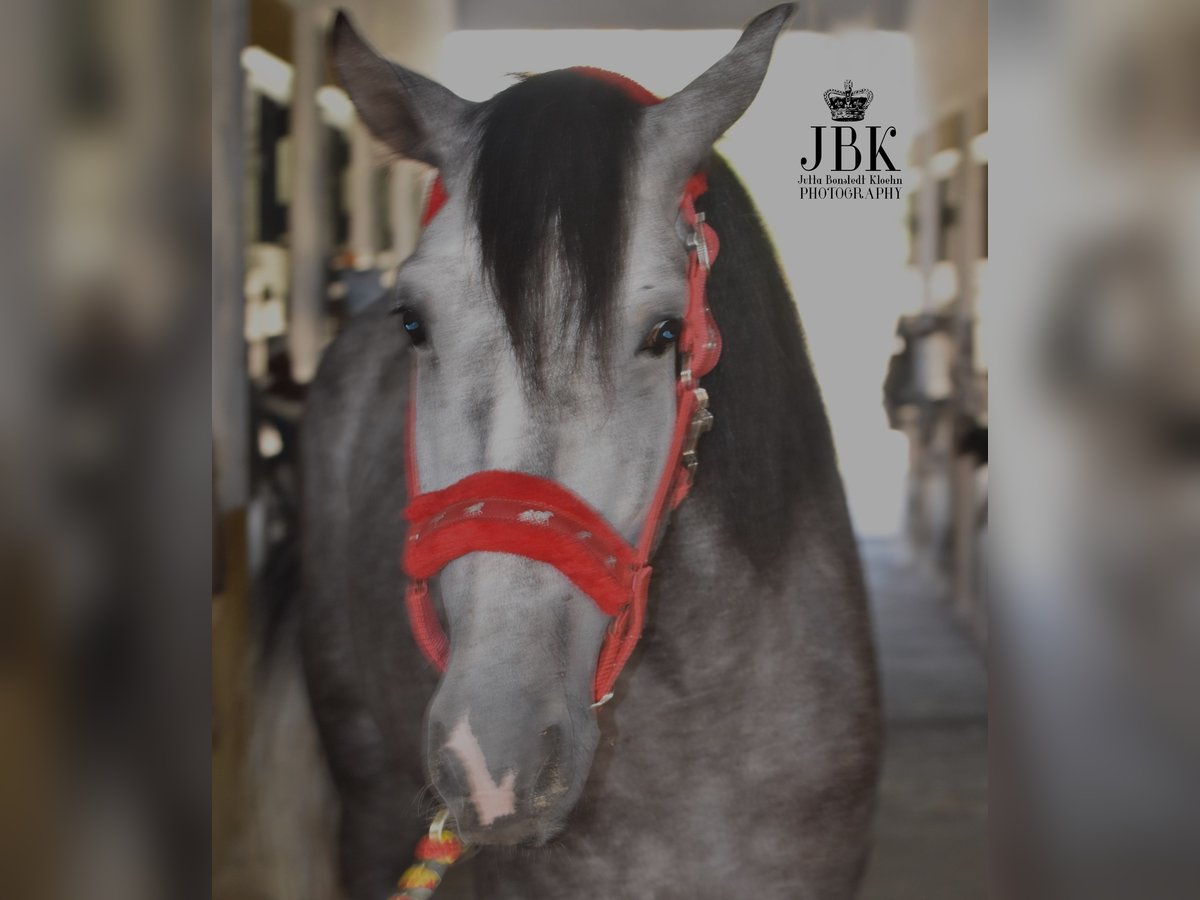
(539, 519)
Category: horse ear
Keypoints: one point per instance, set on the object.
(416, 117)
(680, 131)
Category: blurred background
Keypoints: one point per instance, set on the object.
(1096, 619)
(311, 219)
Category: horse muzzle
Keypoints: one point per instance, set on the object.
(503, 784)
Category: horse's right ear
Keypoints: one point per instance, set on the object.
(414, 116)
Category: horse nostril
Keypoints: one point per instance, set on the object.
(551, 780)
(444, 777)
(552, 739)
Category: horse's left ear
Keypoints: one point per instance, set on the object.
(679, 132)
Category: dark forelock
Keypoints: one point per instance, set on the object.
(549, 190)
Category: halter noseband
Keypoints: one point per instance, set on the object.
(539, 519)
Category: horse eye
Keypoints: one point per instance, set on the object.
(412, 324)
(662, 336)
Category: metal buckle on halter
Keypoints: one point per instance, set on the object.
(438, 825)
(702, 423)
(696, 241)
(685, 369)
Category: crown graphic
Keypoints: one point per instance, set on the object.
(848, 105)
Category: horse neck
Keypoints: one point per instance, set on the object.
(770, 456)
(768, 499)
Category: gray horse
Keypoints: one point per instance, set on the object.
(739, 756)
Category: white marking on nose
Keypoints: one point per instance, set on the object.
(475, 509)
(536, 516)
(491, 800)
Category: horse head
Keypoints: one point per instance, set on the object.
(544, 305)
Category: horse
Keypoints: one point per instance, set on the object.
(535, 329)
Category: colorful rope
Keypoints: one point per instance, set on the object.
(436, 853)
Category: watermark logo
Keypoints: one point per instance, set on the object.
(848, 105)
(848, 179)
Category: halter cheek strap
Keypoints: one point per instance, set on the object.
(539, 519)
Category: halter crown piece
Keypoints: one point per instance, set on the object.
(539, 519)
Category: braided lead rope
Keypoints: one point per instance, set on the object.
(436, 853)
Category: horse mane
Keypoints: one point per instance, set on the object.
(549, 190)
(771, 452)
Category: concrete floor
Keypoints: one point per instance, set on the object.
(931, 828)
